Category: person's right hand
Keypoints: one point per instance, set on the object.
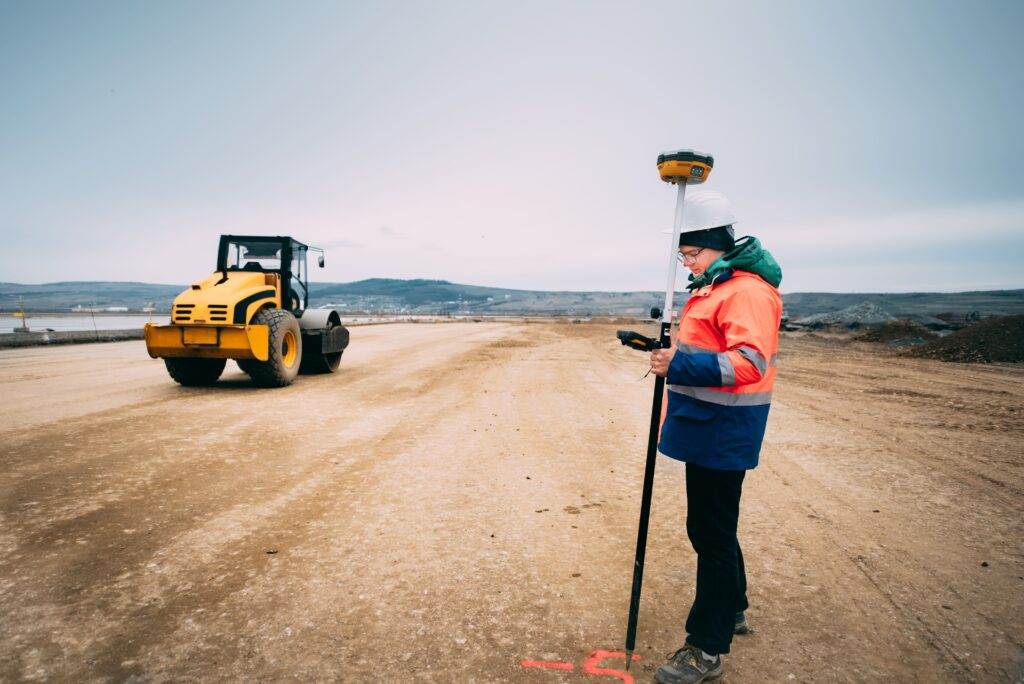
(660, 360)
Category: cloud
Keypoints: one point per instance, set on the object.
(984, 225)
(976, 246)
(389, 232)
(341, 244)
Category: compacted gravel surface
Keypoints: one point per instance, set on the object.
(459, 503)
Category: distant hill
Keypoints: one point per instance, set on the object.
(441, 296)
(63, 296)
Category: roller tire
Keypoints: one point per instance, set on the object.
(276, 371)
(195, 372)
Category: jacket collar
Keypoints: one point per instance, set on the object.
(717, 279)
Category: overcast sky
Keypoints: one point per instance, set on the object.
(872, 146)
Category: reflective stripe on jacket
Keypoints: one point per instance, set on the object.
(721, 377)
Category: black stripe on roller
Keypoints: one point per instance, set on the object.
(686, 156)
(242, 306)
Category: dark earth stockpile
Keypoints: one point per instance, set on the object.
(1000, 338)
(459, 504)
(894, 331)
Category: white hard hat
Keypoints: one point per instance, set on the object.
(703, 209)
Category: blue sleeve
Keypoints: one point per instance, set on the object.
(701, 369)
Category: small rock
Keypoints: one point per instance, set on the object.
(947, 607)
(984, 564)
(875, 511)
(271, 552)
(576, 574)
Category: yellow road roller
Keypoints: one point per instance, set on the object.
(253, 309)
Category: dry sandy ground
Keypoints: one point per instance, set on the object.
(461, 498)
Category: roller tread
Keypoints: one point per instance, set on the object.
(195, 372)
(273, 372)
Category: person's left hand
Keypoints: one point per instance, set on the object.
(660, 359)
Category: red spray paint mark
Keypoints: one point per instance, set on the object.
(591, 665)
(548, 665)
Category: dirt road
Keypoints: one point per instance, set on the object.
(462, 498)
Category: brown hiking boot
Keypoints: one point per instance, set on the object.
(689, 666)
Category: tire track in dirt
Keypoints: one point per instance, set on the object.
(934, 531)
(960, 399)
(461, 603)
(106, 522)
(831, 534)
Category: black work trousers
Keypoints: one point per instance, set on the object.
(712, 512)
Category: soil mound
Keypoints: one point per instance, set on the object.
(895, 331)
(865, 313)
(1000, 338)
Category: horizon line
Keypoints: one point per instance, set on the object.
(515, 289)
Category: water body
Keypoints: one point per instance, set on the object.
(82, 322)
(128, 321)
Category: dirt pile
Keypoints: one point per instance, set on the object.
(865, 313)
(895, 332)
(1000, 338)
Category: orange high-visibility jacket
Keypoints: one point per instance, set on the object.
(720, 380)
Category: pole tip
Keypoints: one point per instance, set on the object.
(629, 658)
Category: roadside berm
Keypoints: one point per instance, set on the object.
(458, 503)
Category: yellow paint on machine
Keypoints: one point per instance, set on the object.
(214, 299)
(206, 325)
(208, 342)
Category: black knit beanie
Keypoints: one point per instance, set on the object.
(722, 238)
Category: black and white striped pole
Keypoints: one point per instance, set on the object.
(680, 168)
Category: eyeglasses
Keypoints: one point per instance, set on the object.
(689, 256)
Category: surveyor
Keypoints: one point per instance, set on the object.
(719, 379)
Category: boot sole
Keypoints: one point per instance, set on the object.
(713, 674)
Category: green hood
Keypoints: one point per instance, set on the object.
(747, 255)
